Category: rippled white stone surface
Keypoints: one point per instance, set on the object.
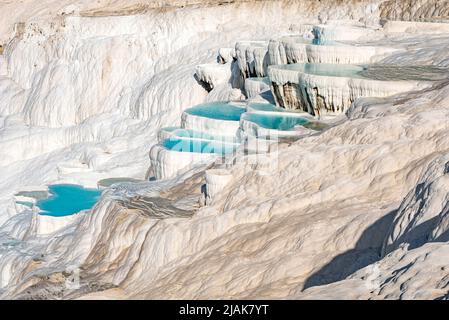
(82, 98)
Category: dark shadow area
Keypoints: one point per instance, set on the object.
(366, 251)
(203, 189)
(444, 297)
(417, 236)
(268, 95)
(444, 237)
(446, 168)
(149, 175)
(397, 272)
(205, 85)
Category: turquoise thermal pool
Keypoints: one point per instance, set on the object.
(198, 146)
(68, 199)
(25, 203)
(217, 110)
(266, 107)
(320, 42)
(192, 134)
(275, 122)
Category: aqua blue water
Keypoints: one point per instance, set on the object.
(317, 41)
(25, 203)
(217, 110)
(198, 146)
(275, 122)
(188, 133)
(260, 106)
(68, 199)
(322, 42)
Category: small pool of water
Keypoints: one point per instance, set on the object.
(198, 146)
(188, 133)
(275, 122)
(25, 203)
(68, 199)
(266, 107)
(217, 110)
(318, 41)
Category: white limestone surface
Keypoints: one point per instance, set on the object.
(47, 225)
(209, 125)
(226, 55)
(213, 74)
(296, 49)
(341, 32)
(216, 182)
(253, 129)
(423, 215)
(168, 163)
(321, 89)
(252, 58)
(254, 86)
(315, 221)
(416, 27)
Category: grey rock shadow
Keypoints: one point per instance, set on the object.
(366, 251)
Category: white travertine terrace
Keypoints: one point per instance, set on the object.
(165, 133)
(253, 129)
(209, 125)
(177, 132)
(296, 87)
(333, 32)
(168, 163)
(296, 49)
(216, 181)
(213, 74)
(47, 225)
(254, 86)
(83, 96)
(226, 55)
(252, 58)
(347, 54)
(3, 66)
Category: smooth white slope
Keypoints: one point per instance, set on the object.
(265, 235)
